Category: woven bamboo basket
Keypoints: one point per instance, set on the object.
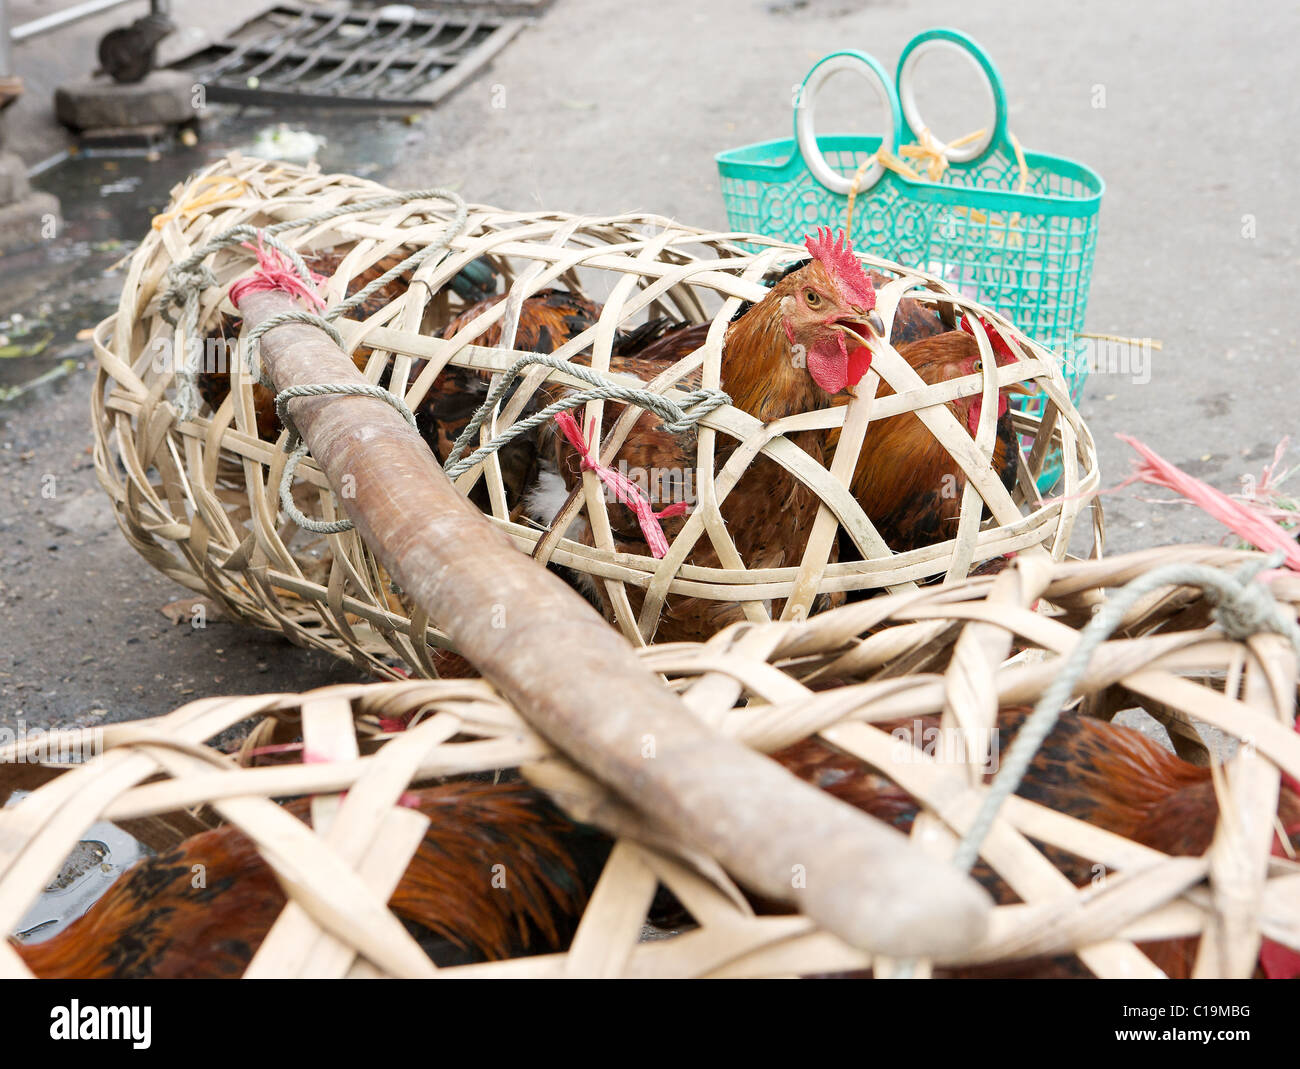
(965, 651)
(198, 497)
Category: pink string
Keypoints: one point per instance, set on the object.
(277, 748)
(1277, 961)
(1250, 523)
(275, 272)
(625, 490)
(1246, 523)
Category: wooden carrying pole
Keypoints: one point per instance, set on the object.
(581, 685)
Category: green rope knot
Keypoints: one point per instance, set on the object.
(187, 282)
(695, 405)
(1247, 608)
(188, 279)
(676, 417)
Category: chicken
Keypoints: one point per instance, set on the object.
(912, 321)
(153, 922)
(1111, 776)
(547, 320)
(805, 341)
(907, 483)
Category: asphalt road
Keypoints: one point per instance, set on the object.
(1187, 110)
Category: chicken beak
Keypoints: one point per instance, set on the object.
(862, 326)
(1025, 389)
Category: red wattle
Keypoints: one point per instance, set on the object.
(829, 365)
(859, 364)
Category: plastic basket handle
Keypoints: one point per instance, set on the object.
(929, 42)
(805, 112)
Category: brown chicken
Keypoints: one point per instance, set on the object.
(153, 922)
(791, 352)
(1111, 776)
(547, 320)
(907, 483)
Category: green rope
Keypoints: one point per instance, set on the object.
(297, 448)
(189, 278)
(1242, 608)
(295, 315)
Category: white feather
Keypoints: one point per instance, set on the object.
(546, 497)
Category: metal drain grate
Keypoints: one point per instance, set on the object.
(391, 55)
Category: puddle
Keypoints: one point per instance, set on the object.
(103, 854)
(59, 289)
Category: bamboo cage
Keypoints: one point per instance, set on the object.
(198, 498)
(964, 651)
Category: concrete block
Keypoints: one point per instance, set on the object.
(13, 178)
(164, 97)
(29, 221)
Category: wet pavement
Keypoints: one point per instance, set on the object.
(51, 293)
(86, 636)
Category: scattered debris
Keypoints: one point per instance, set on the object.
(10, 393)
(187, 610)
(283, 142)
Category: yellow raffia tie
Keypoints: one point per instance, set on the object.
(1021, 182)
(927, 148)
(224, 187)
(930, 155)
(888, 160)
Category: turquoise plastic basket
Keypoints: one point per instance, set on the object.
(1026, 254)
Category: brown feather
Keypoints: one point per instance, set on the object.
(1111, 776)
(769, 512)
(153, 922)
(907, 483)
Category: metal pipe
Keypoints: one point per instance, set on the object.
(59, 18)
(6, 58)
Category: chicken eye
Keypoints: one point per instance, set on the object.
(979, 366)
(812, 297)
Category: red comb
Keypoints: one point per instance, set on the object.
(843, 265)
(1001, 349)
